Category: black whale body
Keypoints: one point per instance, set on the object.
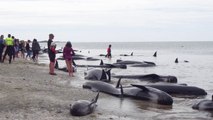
(102, 87)
(179, 89)
(103, 65)
(144, 64)
(127, 62)
(92, 59)
(136, 63)
(204, 105)
(149, 77)
(83, 107)
(149, 94)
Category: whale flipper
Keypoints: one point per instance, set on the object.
(118, 83)
(141, 87)
(108, 72)
(95, 99)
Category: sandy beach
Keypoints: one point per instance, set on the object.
(28, 92)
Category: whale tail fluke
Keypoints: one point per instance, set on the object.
(155, 54)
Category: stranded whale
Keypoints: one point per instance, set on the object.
(136, 63)
(103, 65)
(83, 107)
(204, 105)
(133, 91)
(149, 77)
(98, 74)
(179, 89)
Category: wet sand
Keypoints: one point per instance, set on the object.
(28, 92)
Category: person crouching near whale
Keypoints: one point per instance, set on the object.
(68, 52)
(52, 54)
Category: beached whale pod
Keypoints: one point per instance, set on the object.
(139, 92)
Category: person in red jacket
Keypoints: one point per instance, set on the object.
(109, 52)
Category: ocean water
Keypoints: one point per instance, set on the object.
(197, 72)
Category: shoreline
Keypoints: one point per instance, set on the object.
(27, 91)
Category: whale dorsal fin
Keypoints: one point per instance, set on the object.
(212, 97)
(108, 72)
(155, 54)
(122, 93)
(118, 83)
(73, 62)
(94, 100)
(131, 54)
(56, 64)
(176, 60)
(101, 63)
(141, 87)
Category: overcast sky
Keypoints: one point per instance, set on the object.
(108, 20)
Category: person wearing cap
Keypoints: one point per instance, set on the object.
(52, 54)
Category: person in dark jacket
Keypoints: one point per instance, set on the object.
(1, 46)
(35, 48)
(28, 49)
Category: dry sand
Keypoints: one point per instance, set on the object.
(28, 92)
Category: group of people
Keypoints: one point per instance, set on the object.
(68, 52)
(14, 48)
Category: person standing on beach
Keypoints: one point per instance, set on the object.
(28, 49)
(68, 52)
(1, 46)
(52, 54)
(109, 51)
(9, 43)
(22, 48)
(35, 48)
(51, 65)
